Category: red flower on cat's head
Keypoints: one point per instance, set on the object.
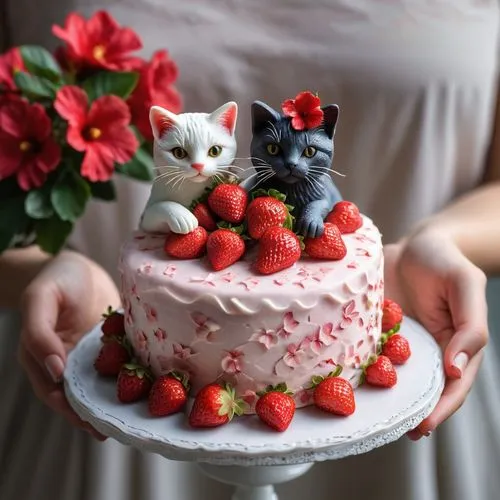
(99, 42)
(10, 63)
(102, 131)
(28, 149)
(156, 88)
(304, 110)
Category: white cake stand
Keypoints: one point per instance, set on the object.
(245, 453)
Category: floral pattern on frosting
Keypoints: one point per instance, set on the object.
(140, 342)
(293, 356)
(363, 252)
(228, 277)
(327, 363)
(249, 283)
(181, 351)
(208, 280)
(205, 327)
(288, 326)
(370, 297)
(232, 363)
(349, 314)
(267, 338)
(160, 334)
(151, 313)
(146, 268)
(306, 275)
(170, 271)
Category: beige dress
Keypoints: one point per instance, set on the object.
(416, 84)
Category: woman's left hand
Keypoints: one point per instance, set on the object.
(446, 293)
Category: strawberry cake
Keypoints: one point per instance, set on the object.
(255, 296)
(252, 329)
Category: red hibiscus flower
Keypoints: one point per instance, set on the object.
(304, 111)
(154, 88)
(101, 131)
(99, 42)
(10, 63)
(27, 147)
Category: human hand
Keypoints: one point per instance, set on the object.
(440, 288)
(59, 306)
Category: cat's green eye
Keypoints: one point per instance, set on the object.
(309, 152)
(214, 151)
(179, 153)
(273, 149)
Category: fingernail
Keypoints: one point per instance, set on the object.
(460, 362)
(55, 366)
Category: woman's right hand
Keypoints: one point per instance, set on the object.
(59, 306)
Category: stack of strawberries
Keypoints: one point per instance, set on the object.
(230, 220)
(216, 404)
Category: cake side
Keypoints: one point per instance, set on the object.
(252, 330)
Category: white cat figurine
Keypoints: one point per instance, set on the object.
(189, 150)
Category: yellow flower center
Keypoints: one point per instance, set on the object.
(94, 133)
(98, 52)
(24, 146)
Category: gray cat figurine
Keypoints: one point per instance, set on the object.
(296, 162)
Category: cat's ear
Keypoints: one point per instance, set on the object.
(162, 120)
(262, 115)
(226, 116)
(330, 118)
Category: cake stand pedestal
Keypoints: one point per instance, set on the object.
(246, 453)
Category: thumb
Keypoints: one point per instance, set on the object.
(40, 310)
(469, 312)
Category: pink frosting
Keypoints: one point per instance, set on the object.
(252, 330)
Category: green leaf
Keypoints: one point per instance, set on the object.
(288, 224)
(40, 62)
(276, 194)
(140, 167)
(103, 190)
(336, 372)
(13, 220)
(70, 195)
(52, 233)
(37, 204)
(34, 86)
(120, 84)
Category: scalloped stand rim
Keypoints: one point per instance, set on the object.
(382, 416)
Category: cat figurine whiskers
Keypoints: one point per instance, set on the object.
(297, 163)
(190, 150)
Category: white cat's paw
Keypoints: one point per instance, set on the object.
(182, 221)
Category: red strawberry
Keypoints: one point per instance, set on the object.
(279, 249)
(381, 373)
(329, 245)
(113, 325)
(334, 395)
(276, 407)
(392, 315)
(204, 216)
(134, 383)
(168, 395)
(187, 246)
(229, 202)
(214, 405)
(112, 356)
(224, 247)
(265, 212)
(397, 349)
(347, 217)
